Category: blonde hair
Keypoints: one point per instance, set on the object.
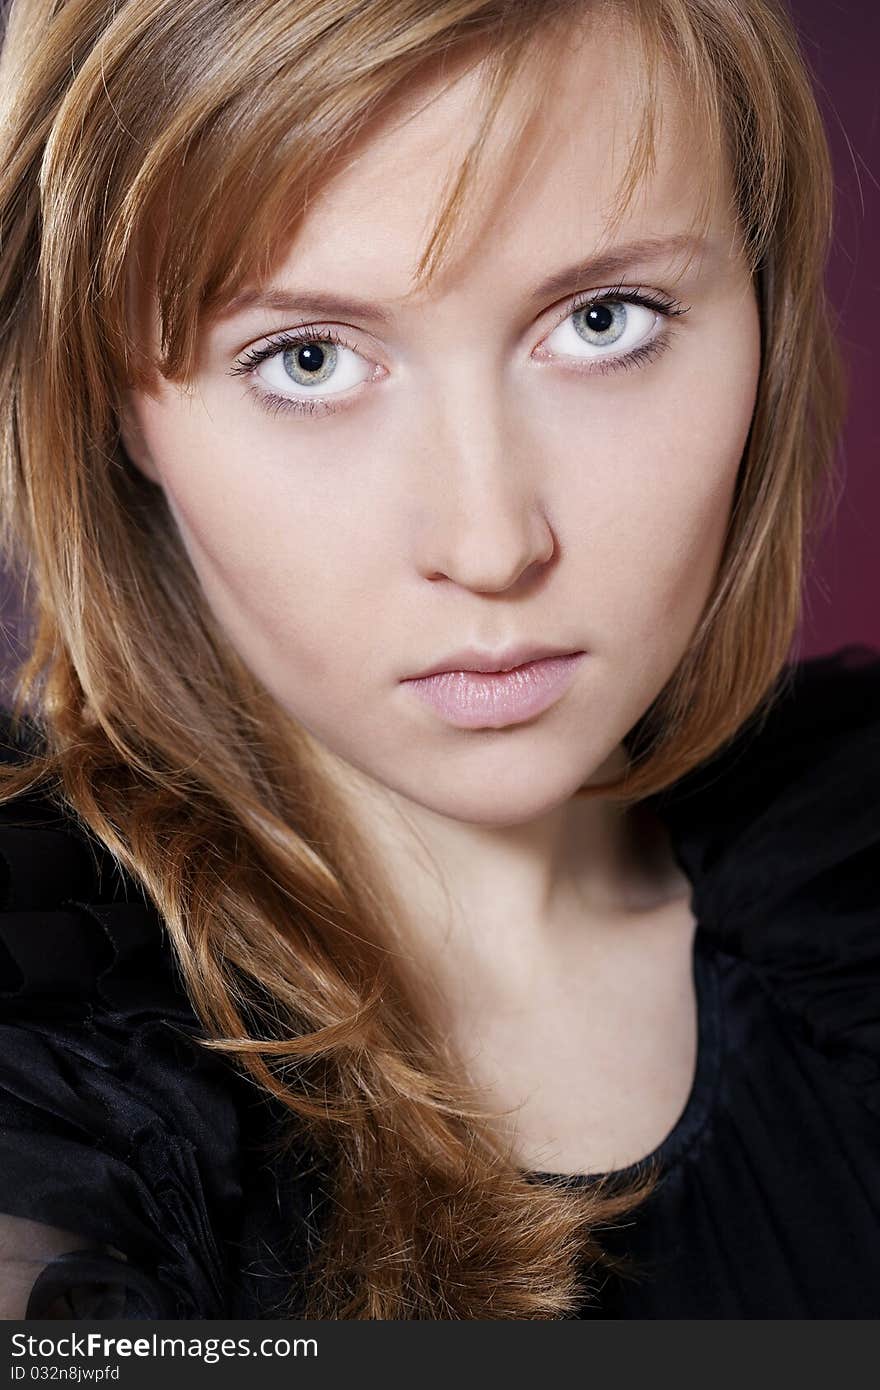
(156, 736)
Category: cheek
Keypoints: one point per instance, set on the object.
(655, 515)
(280, 549)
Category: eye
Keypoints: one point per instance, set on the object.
(303, 369)
(615, 327)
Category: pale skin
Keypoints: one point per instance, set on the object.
(483, 481)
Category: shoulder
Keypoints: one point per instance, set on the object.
(114, 1123)
(779, 834)
(793, 794)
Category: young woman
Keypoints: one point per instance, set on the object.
(432, 888)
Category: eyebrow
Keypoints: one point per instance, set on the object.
(328, 305)
(611, 264)
(604, 267)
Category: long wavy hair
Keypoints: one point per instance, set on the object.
(157, 738)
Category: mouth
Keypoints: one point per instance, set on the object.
(494, 698)
(473, 660)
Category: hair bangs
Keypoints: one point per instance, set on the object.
(220, 194)
(221, 191)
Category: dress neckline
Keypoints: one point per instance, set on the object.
(698, 1105)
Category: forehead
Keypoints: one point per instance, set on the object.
(548, 184)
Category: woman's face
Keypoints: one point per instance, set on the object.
(486, 463)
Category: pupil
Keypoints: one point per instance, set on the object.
(600, 318)
(311, 357)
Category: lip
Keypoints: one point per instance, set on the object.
(473, 659)
(495, 698)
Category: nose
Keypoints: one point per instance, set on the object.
(486, 524)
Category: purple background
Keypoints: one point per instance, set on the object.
(842, 44)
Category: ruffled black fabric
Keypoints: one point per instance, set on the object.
(780, 836)
(116, 1126)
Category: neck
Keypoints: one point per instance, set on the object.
(493, 903)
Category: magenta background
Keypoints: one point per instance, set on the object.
(842, 44)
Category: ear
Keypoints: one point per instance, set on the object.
(133, 441)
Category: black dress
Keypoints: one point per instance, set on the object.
(114, 1125)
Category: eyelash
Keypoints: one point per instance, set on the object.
(246, 365)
